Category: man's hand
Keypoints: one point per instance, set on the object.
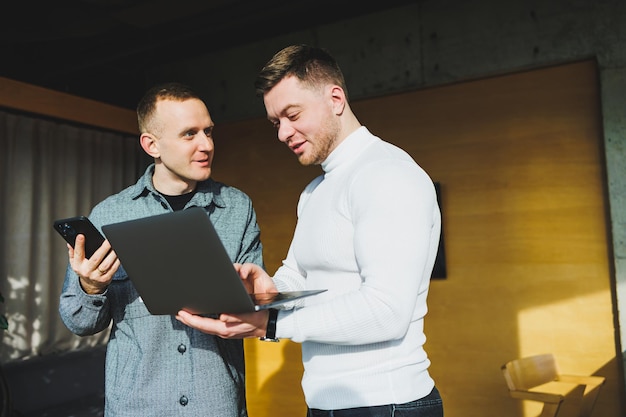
(255, 279)
(236, 326)
(95, 273)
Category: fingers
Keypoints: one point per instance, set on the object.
(98, 278)
(204, 324)
(79, 247)
(250, 271)
(255, 278)
(103, 259)
(227, 326)
(109, 264)
(96, 272)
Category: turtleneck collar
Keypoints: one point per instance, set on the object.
(348, 149)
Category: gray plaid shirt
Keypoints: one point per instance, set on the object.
(155, 365)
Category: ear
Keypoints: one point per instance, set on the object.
(338, 97)
(150, 145)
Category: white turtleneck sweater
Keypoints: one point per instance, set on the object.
(368, 231)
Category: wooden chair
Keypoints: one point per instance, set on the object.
(537, 378)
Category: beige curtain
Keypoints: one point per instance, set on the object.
(49, 170)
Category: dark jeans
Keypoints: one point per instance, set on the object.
(429, 406)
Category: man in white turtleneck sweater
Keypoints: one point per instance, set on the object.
(368, 231)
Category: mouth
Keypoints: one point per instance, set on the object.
(297, 148)
(203, 162)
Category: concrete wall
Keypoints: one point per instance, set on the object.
(432, 43)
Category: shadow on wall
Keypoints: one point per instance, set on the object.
(283, 388)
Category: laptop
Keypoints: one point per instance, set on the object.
(177, 261)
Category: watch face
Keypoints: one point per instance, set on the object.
(267, 339)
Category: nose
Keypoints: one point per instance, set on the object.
(285, 131)
(206, 142)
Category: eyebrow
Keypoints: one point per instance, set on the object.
(288, 108)
(196, 129)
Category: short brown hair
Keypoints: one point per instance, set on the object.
(311, 65)
(167, 91)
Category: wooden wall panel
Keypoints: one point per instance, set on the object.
(519, 159)
(33, 99)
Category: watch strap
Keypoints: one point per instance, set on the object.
(270, 333)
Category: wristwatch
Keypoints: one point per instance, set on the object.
(270, 333)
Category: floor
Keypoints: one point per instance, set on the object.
(69, 384)
(84, 407)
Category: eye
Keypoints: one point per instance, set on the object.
(208, 131)
(275, 122)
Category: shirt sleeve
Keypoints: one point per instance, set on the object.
(83, 314)
(251, 247)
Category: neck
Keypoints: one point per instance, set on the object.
(169, 185)
(349, 125)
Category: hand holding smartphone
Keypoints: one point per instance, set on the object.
(71, 227)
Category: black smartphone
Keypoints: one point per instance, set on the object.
(70, 227)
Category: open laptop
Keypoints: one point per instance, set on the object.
(177, 261)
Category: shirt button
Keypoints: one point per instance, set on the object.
(182, 348)
(98, 303)
(183, 401)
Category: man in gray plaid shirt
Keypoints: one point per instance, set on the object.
(155, 365)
